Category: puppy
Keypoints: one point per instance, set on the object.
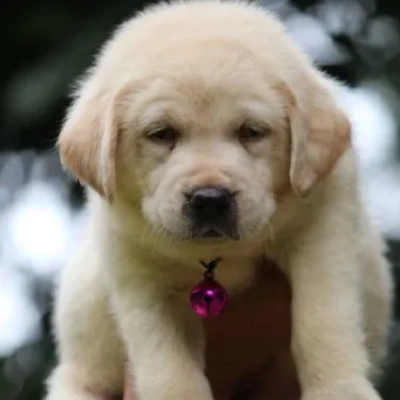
(203, 132)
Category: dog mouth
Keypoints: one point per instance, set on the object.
(210, 233)
(215, 232)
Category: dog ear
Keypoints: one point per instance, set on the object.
(88, 141)
(320, 133)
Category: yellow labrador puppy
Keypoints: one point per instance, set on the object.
(203, 132)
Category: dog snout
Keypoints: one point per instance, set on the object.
(212, 210)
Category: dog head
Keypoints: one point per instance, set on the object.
(201, 115)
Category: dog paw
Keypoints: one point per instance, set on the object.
(353, 390)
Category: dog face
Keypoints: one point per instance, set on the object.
(205, 129)
(207, 142)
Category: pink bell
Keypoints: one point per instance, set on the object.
(208, 298)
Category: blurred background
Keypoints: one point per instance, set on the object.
(47, 44)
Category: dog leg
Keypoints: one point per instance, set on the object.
(164, 340)
(328, 337)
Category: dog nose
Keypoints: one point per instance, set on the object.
(211, 202)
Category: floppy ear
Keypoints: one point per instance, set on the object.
(88, 142)
(320, 133)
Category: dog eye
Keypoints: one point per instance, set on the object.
(167, 135)
(248, 133)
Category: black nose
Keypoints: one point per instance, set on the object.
(210, 203)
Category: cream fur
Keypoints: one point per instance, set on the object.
(207, 67)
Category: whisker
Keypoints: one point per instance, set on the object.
(271, 232)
